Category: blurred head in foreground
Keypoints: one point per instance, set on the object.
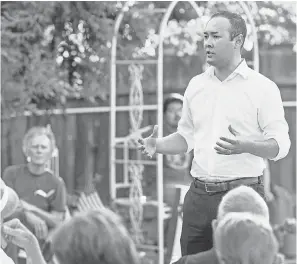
(94, 237)
(245, 238)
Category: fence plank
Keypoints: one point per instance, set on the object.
(69, 163)
(84, 158)
(17, 132)
(5, 144)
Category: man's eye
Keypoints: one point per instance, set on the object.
(205, 36)
(216, 37)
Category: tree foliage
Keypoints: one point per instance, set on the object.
(52, 51)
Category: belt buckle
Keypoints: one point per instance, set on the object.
(207, 190)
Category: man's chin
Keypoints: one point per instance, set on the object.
(39, 162)
(210, 61)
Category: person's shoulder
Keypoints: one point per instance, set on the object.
(262, 79)
(200, 77)
(196, 82)
(206, 257)
(13, 170)
(57, 180)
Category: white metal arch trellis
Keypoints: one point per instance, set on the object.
(114, 141)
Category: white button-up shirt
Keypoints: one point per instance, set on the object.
(246, 100)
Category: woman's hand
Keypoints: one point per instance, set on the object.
(15, 232)
(39, 225)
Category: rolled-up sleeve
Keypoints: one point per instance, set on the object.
(271, 118)
(185, 126)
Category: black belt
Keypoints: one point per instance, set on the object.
(213, 187)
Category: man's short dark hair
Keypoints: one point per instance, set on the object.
(238, 25)
(174, 97)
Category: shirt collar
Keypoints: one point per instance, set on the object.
(242, 69)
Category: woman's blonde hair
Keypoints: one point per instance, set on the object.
(37, 131)
(92, 238)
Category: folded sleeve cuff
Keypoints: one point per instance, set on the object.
(284, 145)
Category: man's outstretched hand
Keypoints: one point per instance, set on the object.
(231, 146)
(148, 145)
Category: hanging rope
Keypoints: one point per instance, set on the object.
(136, 117)
(136, 96)
(136, 209)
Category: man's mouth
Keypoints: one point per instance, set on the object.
(209, 53)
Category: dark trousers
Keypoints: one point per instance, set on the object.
(199, 209)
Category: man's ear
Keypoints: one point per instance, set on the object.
(214, 224)
(239, 41)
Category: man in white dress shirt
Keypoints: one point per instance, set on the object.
(233, 118)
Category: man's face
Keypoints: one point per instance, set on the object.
(219, 47)
(173, 113)
(39, 149)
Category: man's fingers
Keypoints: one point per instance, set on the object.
(233, 131)
(145, 152)
(229, 140)
(224, 146)
(218, 148)
(14, 223)
(141, 141)
(222, 151)
(11, 232)
(155, 132)
(141, 148)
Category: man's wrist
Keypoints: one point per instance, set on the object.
(248, 146)
(261, 148)
(157, 145)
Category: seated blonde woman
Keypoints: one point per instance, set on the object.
(246, 239)
(42, 194)
(92, 238)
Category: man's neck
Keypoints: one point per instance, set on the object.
(222, 72)
(170, 128)
(36, 169)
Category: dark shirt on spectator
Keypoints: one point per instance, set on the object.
(26, 185)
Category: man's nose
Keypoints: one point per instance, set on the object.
(39, 150)
(208, 43)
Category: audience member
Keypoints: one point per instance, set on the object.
(92, 238)
(245, 238)
(42, 194)
(240, 199)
